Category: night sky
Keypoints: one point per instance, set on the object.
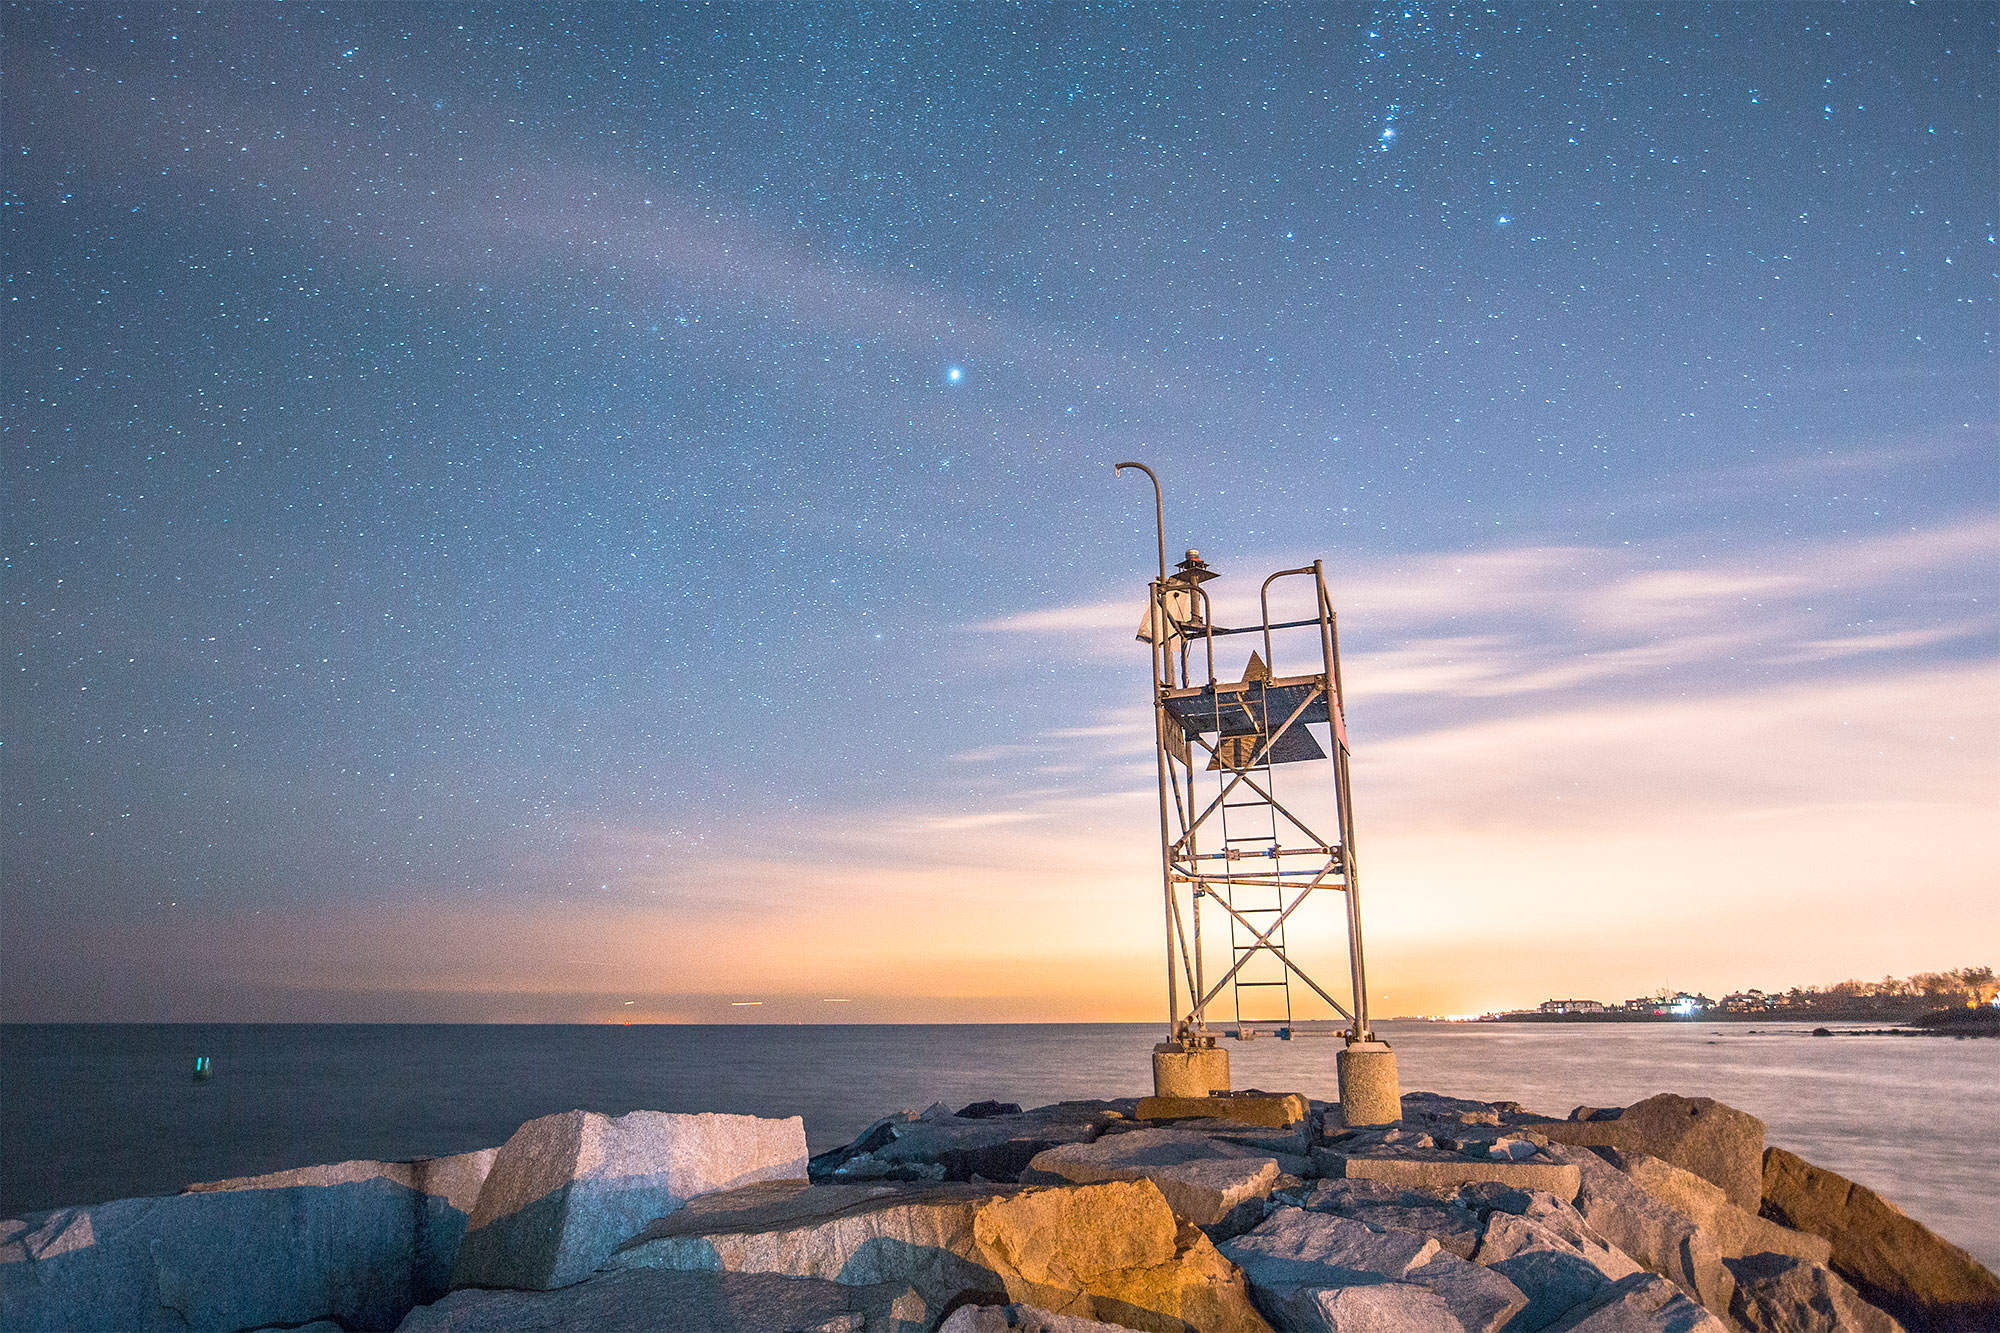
(596, 511)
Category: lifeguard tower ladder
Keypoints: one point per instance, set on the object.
(1236, 842)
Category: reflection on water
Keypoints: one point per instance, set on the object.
(93, 1113)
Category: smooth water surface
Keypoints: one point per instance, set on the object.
(99, 1112)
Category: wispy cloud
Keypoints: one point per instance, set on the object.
(988, 753)
(1845, 465)
(1528, 621)
(1892, 641)
(1093, 618)
(1574, 763)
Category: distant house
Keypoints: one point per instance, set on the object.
(1572, 1007)
(1751, 1001)
(1681, 1005)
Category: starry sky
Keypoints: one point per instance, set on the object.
(601, 512)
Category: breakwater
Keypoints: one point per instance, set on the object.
(102, 1112)
(1670, 1214)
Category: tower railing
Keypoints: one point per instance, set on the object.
(1236, 845)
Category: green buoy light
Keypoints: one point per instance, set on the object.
(202, 1069)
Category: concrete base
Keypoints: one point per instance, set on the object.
(1276, 1110)
(1181, 1070)
(1370, 1092)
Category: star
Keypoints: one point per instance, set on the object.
(954, 374)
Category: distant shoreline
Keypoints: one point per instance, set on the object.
(1984, 1022)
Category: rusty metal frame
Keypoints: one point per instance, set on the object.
(1190, 875)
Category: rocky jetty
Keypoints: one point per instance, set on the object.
(1669, 1216)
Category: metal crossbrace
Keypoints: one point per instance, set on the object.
(1290, 966)
(1265, 836)
(1243, 775)
(1251, 866)
(1185, 872)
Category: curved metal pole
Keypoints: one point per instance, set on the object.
(1161, 763)
(1161, 668)
(1159, 509)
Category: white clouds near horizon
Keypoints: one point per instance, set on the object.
(1601, 762)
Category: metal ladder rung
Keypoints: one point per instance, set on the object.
(1259, 812)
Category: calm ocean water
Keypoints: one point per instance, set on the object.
(89, 1113)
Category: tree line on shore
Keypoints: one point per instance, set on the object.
(1955, 988)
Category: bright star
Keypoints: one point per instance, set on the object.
(954, 374)
(1502, 220)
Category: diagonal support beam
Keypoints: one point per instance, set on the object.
(1243, 776)
(1263, 938)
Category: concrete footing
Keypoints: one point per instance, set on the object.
(1275, 1110)
(1189, 1069)
(1370, 1092)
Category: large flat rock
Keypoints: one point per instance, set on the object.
(649, 1301)
(1280, 1141)
(1114, 1252)
(1294, 1246)
(1110, 1251)
(1436, 1109)
(1453, 1226)
(918, 1236)
(1481, 1299)
(1778, 1293)
(1440, 1172)
(1660, 1238)
(1735, 1232)
(1894, 1261)
(939, 1145)
(1384, 1307)
(455, 1180)
(1297, 1257)
(1543, 1246)
(566, 1190)
(1642, 1303)
(1719, 1143)
(1554, 1274)
(361, 1242)
(1525, 1222)
(1019, 1318)
(1217, 1186)
(1274, 1110)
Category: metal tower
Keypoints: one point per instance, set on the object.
(1256, 815)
